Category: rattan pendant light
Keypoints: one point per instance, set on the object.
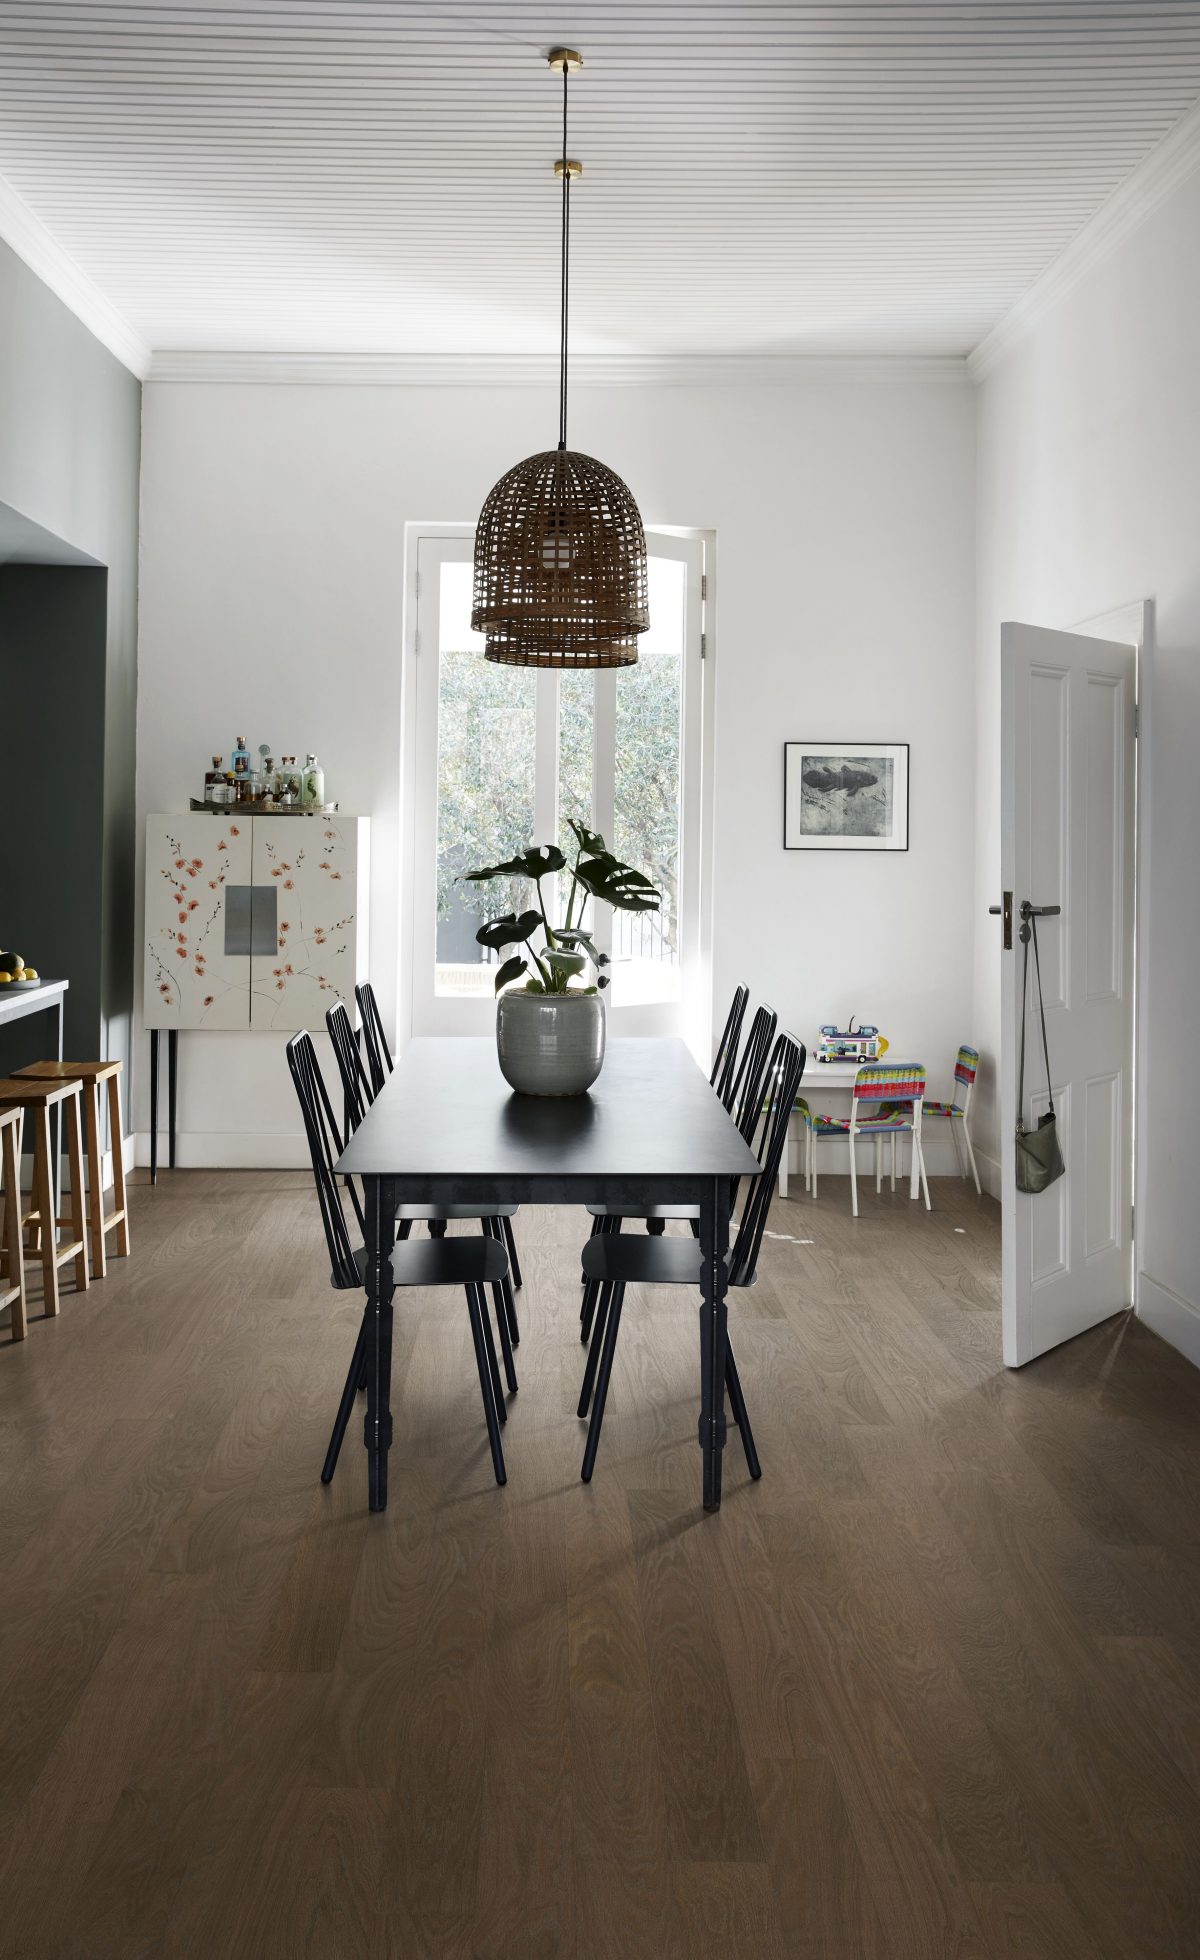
(560, 553)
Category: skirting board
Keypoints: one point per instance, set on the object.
(1177, 1320)
(228, 1150)
(106, 1167)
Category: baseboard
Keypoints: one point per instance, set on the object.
(106, 1167)
(989, 1173)
(1177, 1320)
(228, 1150)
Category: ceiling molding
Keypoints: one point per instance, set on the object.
(537, 370)
(1167, 166)
(44, 256)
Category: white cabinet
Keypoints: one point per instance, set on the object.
(253, 921)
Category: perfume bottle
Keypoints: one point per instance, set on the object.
(212, 777)
(314, 782)
(240, 759)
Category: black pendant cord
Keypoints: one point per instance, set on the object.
(566, 260)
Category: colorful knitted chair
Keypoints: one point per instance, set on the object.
(957, 1113)
(887, 1101)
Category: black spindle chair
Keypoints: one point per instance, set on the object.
(725, 1061)
(615, 1262)
(743, 1100)
(374, 1039)
(358, 1095)
(472, 1263)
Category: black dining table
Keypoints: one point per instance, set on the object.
(447, 1129)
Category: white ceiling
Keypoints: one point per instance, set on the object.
(770, 178)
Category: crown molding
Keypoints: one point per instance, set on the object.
(537, 370)
(43, 254)
(1167, 165)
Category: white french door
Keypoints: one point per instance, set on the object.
(501, 757)
(1067, 841)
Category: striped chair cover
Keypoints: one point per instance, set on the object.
(896, 1086)
(966, 1065)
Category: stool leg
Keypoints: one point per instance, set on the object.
(77, 1227)
(118, 1156)
(95, 1190)
(14, 1253)
(43, 1199)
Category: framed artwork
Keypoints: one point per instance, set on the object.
(845, 796)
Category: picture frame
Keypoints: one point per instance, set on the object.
(845, 796)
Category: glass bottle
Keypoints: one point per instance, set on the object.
(269, 778)
(212, 777)
(314, 782)
(240, 759)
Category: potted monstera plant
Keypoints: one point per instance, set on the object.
(550, 1031)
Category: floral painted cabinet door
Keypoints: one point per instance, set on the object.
(310, 882)
(198, 882)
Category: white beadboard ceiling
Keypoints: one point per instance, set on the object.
(763, 179)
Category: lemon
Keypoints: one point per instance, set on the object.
(31, 973)
(5, 979)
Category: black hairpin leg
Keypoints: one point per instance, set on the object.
(172, 1075)
(154, 1105)
(612, 1328)
(477, 1310)
(737, 1404)
(354, 1379)
(510, 1241)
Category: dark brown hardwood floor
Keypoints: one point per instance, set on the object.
(931, 1688)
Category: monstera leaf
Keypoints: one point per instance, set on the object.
(618, 884)
(535, 863)
(565, 963)
(588, 840)
(513, 969)
(509, 930)
(570, 937)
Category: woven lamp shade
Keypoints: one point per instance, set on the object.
(560, 566)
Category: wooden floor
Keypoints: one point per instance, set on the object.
(928, 1689)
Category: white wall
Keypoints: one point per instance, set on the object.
(1088, 499)
(271, 605)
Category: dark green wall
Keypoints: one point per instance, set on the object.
(70, 444)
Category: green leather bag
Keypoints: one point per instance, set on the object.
(1039, 1155)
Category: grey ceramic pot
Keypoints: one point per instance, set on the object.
(550, 1044)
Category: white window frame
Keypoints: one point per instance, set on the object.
(420, 1008)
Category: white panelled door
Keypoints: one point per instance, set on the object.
(1067, 834)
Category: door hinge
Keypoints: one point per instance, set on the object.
(1137, 716)
(1133, 1221)
(704, 585)
(704, 646)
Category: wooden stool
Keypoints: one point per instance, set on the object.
(90, 1075)
(12, 1251)
(37, 1099)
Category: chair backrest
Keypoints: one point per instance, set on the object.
(357, 1092)
(779, 1083)
(378, 1052)
(966, 1068)
(744, 1101)
(726, 1059)
(325, 1147)
(893, 1082)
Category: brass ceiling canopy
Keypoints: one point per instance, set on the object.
(560, 551)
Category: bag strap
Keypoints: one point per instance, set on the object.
(1042, 1014)
(1021, 1067)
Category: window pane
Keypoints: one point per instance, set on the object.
(647, 793)
(575, 697)
(485, 786)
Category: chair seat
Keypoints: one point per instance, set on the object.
(416, 1213)
(943, 1109)
(684, 1212)
(838, 1126)
(615, 1258)
(71, 1071)
(443, 1262)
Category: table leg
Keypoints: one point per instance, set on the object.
(154, 1105)
(784, 1165)
(55, 1117)
(714, 1241)
(381, 1196)
(172, 1072)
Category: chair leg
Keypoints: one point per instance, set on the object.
(489, 1343)
(514, 1264)
(952, 1126)
(500, 1302)
(878, 1165)
(43, 1201)
(853, 1180)
(656, 1227)
(95, 1191)
(971, 1159)
(603, 1295)
(474, 1302)
(10, 1234)
(921, 1164)
(591, 1293)
(120, 1198)
(494, 1227)
(77, 1227)
(611, 1329)
(737, 1403)
(356, 1374)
